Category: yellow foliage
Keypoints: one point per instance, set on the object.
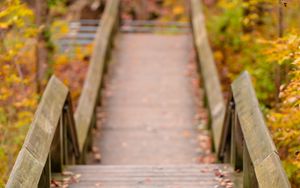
(246, 34)
(17, 93)
(284, 120)
(178, 10)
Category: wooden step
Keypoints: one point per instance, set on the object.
(160, 176)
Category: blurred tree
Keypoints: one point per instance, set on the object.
(42, 55)
(140, 7)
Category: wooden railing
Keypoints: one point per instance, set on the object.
(57, 137)
(209, 74)
(51, 139)
(240, 134)
(85, 115)
(246, 142)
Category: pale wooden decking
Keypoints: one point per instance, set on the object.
(150, 104)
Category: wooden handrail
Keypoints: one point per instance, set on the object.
(85, 113)
(209, 71)
(246, 142)
(239, 131)
(47, 140)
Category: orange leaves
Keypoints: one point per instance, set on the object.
(72, 69)
(167, 10)
(218, 55)
(283, 50)
(178, 10)
(284, 120)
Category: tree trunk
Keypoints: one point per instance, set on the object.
(41, 11)
(76, 8)
(278, 68)
(140, 7)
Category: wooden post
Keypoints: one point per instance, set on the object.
(259, 149)
(224, 151)
(237, 143)
(45, 179)
(67, 154)
(233, 139)
(229, 144)
(57, 156)
(249, 179)
(72, 145)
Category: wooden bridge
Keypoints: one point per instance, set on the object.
(149, 104)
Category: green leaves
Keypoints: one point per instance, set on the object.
(52, 3)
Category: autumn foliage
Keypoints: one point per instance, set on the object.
(18, 96)
(263, 38)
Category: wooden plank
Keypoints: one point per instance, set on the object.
(269, 173)
(209, 72)
(33, 155)
(202, 175)
(90, 92)
(258, 139)
(260, 146)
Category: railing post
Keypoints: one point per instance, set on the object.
(45, 179)
(71, 142)
(236, 158)
(233, 140)
(57, 155)
(66, 150)
(249, 177)
(89, 139)
(46, 146)
(224, 152)
(228, 144)
(93, 126)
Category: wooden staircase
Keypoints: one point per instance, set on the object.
(160, 176)
(55, 149)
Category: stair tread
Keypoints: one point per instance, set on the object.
(149, 176)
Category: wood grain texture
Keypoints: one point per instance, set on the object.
(152, 103)
(261, 148)
(33, 155)
(158, 176)
(209, 72)
(89, 97)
